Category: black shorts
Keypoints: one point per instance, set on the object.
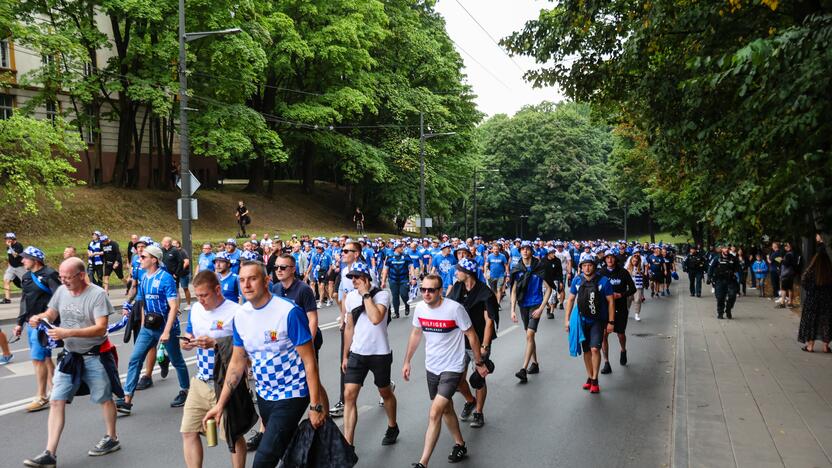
(109, 270)
(96, 269)
(443, 384)
(621, 319)
(333, 276)
(787, 284)
(358, 366)
(529, 323)
(593, 334)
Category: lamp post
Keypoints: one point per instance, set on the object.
(423, 230)
(184, 148)
(476, 225)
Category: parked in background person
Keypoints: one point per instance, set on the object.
(817, 303)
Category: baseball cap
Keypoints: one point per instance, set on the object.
(525, 244)
(222, 256)
(103, 238)
(154, 250)
(467, 266)
(10, 235)
(359, 269)
(34, 253)
(250, 256)
(445, 245)
(231, 241)
(146, 240)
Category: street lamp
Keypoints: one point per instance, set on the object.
(184, 149)
(423, 230)
(475, 196)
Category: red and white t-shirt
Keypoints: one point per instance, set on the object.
(444, 329)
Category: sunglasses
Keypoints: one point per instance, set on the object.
(283, 267)
(349, 251)
(429, 290)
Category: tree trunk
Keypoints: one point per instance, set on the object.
(650, 229)
(256, 173)
(125, 132)
(308, 167)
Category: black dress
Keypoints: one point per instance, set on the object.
(816, 317)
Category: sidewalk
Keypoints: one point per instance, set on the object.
(745, 393)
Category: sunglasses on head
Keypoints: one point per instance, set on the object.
(429, 290)
(283, 267)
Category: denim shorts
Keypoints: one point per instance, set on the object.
(94, 376)
(185, 281)
(38, 352)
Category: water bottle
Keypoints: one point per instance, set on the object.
(161, 354)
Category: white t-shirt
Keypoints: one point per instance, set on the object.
(564, 257)
(369, 339)
(444, 329)
(218, 323)
(346, 283)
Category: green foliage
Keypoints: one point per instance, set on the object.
(35, 161)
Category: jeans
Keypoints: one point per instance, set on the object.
(695, 278)
(281, 418)
(148, 339)
(775, 280)
(399, 290)
(726, 294)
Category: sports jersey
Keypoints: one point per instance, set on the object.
(234, 260)
(445, 268)
(369, 339)
(515, 256)
(94, 247)
(320, 263)
(604, 287)
(156, 290)
(398, 268)
(136, 268)
(415, 257)
(444, 329)
(496, 266)
(269, 335)
(656, 263)
(217, 323)
(427, 256)
(206, 261)
(230, 285)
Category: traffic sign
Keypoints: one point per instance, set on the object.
(428, 222)
(179, 204)
(194, 184)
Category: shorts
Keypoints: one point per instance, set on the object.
(319, 277)
(185, 281)
(787, 284)
(36, 350)
(443, 384)
(553, 298)
(14, 272)
(201, 398)
(495, 284)
(109, 270)
(621, 319)
(529, 323)
(94, 376)
(333, 276)
(358, 366)
(593, 334)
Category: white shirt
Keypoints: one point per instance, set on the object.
(369, 339)
(565, 258)
(444, 329)
(217, 323)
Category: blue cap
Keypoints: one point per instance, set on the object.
(34, 253)
(146, 240)
(359, 269)
(250, 256)
(222, 256)
(525, 244)
(468, 266)
(609, 253)
(103, 237)
(586, 258)
(231, 240)
(445, 245)
(10, 235)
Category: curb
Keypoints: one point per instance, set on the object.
(680, 451)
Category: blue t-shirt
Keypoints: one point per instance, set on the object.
(656, 263)
(155, 290)
(496, 266)
(427, 256)
(398, 268)
(415, 257)
(270, 335)
(604, 287)
(445, 268)
(234, 260)
(533, 296)
(206, 261)
(230, 285)
(320, 263)
(515, 256)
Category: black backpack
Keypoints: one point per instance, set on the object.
(589, 298)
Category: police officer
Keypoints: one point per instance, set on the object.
(695, 264)
(723, 274)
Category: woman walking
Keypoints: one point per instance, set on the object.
(816, 318)
(743, 274)
(636, 269)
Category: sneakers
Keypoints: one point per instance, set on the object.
(719, 316)
(457, 453)
(521, 374)
(44, 460)
(396, 315)
(179, 401)
(328, 302)
(560, 306)
(588, 384)
(594, 388)
(623, 359)
(6, 359)
(391, 435)
(477, 420)
(123, 407)
(164, 366)
(607, 368)
(104, 446)
(638, 318)
(406, 310)
(7, 301)
(338, 410)
(39, 403)
(417, 465)
(392, 389)
(534, 368)
(319, 304)
(467, 409)
(145, 382)
(728, 314)
(254, 441)
(550, 315)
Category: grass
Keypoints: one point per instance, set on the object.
(120, 213)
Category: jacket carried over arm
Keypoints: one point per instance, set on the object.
(239, 415)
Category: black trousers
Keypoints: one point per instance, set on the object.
(695, 278)
(726, 294)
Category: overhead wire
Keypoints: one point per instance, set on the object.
(480, 64)
(496, 43)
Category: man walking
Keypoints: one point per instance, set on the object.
(723, 274)
(82, 309)
(398, 268)
(15, 270)
(623, 287)
(695, 265)
(443, 322)
(531, 293)
(39, 284)
(112, 261)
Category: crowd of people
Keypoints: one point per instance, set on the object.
(255, 320)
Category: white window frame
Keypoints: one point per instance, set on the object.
(6, 106)
(52, 111)
(5, 53)
(89, 132)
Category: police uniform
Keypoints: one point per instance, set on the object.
(723, 274)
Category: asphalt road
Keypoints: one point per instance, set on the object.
(548, 422)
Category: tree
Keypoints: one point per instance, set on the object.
(35, 161)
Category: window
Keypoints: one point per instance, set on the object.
(5, 54)
(47, 60)
(89, 127)
(88, 69)
(51, 111)
(6, 106)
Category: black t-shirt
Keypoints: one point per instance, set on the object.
(476, 304)
(299, 292)
(241, 210)
(15, 261)
(172, 258)
(111, 251)
(35, 299)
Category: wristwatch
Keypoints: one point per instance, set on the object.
(611, 322)
(366, 296)
(319, 408)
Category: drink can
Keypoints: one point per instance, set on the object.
(211, 432)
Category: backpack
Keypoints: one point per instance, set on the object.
(589, 298)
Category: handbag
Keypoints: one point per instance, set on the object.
(153, 321)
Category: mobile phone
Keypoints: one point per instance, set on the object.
(185, 338)
(47, 323)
